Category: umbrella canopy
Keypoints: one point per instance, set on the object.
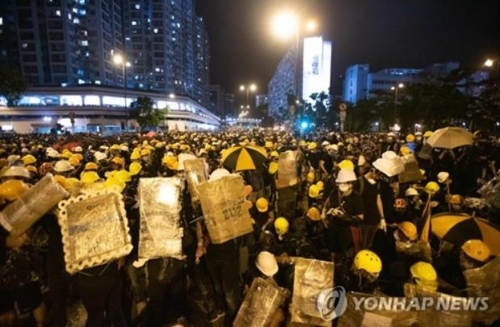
(244, 158)
(450, 138)
(459, 228)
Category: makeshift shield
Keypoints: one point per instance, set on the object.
(260, 304)
(224, 206)
(94, 230)
(20, 215)
(160, 233)
(311, 278)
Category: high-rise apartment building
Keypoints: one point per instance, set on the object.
(71, 42)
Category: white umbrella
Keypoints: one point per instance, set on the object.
(450, 138)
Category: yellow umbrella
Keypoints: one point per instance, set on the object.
(244, 158)
(459, 228)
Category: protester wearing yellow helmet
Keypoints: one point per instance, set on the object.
(135, 168)
(364, 272)
(424, 274)
(474, 254)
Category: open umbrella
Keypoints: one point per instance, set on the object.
(459, 228)
(450, 138)
(244, 158)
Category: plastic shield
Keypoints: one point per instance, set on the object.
(195, 174)
(260, 304)
(20, 215)
(311, 278)
(485, 282)
(160, 233)
(94, 230)
(224, 208)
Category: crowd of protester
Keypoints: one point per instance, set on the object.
(347, 206)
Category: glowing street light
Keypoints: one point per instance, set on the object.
(285, 24)
(248, 88)
(396, 88)
(489, 62)
(119, 60)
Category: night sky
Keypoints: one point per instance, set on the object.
(383, 33)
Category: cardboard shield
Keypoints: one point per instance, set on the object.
(223, 202)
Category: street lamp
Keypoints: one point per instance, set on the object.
(287, 24)
(396, 88)
(248, 88)
(119, 60)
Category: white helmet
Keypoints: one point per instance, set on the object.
(99, 156)
(266, 263)
(63, 166)
(78, 149)
(15, 171)
(13, 158)
(345, 176)
(442, 176)
(411, 192)
(218, 174)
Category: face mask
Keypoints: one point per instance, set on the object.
(343, 188)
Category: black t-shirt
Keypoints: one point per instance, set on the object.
(351, 204)
(369, 193)
(328, 159)
(314, 158)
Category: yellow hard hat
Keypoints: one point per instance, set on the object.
(115, 147)
(114, 184)
(477, 250)
(61, 180)
(32, 169)
(28, 159)
(456, 199)
(168, 160)
(312, 145)
(346, 164)
(273, 167)
(368, 261)
(281, 225)
(123, 176)
(145, 152)
(89, 177)
(424, 275)
(405, 150)
(275, 154)
(410, 138)
(268, 144)
(73, 161)
(314, 214)
(117, 160)
(432, 188)
(77, 156)
(313, 191)
(310, 177)
(408, 229)
(134, 168)
(320, 185)
(135, 155)
(428, 134)
(262, 205)
(12, 189)
(91, 166)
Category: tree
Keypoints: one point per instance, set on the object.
(12, 85)
(146, 116)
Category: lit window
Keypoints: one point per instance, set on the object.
(1, 20)
(83, 12)
(155, 30)
(25, 45)
(157, 69)
(84, 43)
(58, 13)
(141, 85)
(98, 82)
(76, 21)
(82, 2)
(75, 10)
(179, 25)
(70, 17)
(92, 100)
(134, 23)
(137, 6)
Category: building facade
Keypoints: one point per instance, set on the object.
(163, 44)
(97, 109)
(356, 83)
(300, 74)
